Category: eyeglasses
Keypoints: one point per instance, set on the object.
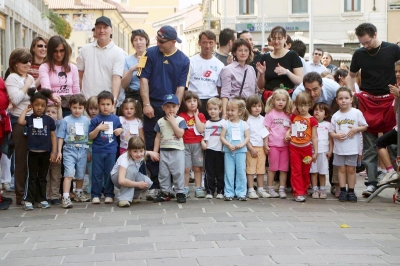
(59, 51)
(366, 43)
(134, 32)
(161, 41)
(41, 45)
(27, 61)
(318, 54)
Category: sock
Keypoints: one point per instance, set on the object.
(65, 195)
(250, 189)
(351, 190)
(390, 169)
(343, 189)
(315, 188)
(380, 169)
(78, 190)
(260, 189)
(281, 188)
(270, 188)
(322, 187)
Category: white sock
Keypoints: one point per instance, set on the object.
(259, 189)
(315, 188)
(65, 195)
(78, 190)
(281, 188)
(322, 187)
(250, 189)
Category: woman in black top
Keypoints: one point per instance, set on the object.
(281, 68)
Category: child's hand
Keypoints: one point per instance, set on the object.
(103, 127)
(394, 90)
(360, 158)
(314, 157)
(352, 132)
(171, 118)
(142, 185)
(287, 136)
(196, 113)
(89, 156)
(154, 156)
(329, 155)
(58, 158)
(204, 145)
(254, 153)
(28, 108)
(118, 131)
(53, 157)
(341, 136)
(238, 146)
(231, 147)
(266, 149)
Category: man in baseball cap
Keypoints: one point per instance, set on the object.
(104, 20)
(168, 33)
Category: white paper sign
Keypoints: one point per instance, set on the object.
(286, 123)
(110, 128)
(38, 123)
(236, 133)
(79, 129)
(207, 133)
(134, 129)
(294, 130)
(264, 132)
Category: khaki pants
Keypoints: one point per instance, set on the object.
(53, 181)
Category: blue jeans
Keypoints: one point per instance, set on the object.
(235, 162)
(102, 164)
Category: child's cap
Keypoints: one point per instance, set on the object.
(170, 98)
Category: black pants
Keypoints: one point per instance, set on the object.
(387, 139)
(38, 167)
(214, 166)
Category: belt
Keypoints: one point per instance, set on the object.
(78, 145)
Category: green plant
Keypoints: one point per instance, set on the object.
(60, 25)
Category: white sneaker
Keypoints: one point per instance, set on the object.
(66, 203)
(252, 195)
(108, 200)
(152, 194)
(263, 193)
(389, 178)
(96, 200)
(368, 191)
(219, 196)
(209, 196)
(273, 194)
(300, 199)
(282, 194)
(81, 197)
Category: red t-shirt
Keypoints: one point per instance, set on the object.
(190, 136)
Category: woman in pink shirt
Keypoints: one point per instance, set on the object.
(58, 74)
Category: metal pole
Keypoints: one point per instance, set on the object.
(310, 30)
(262, 25)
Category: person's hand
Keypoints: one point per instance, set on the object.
(171, 118)
(266, 149)
(196, 113)
(103, 127)
(314, 157)
(341, 136)
(231, 147)
(261, 67)
(133, 68)
(394, 90)
(29, 81)
(204, 145)
(280, 70)
(89, 157)
(142, 185)
(287, 136)
(329, 155)
(53, 157)
(238, 146)
(224, 116)
(295, 111)
(59, 157)
(254, 153)
(148, 111)
(352, 132)
(118, 131)
(154, 156)
(56, 99)
(28, 108)
(229, 59)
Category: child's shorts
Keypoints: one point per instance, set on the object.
(256, 165)
(321, 166)
(193, 155)
(348, 160)
(278, 159)
(74, 159)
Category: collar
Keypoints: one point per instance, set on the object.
(236, 64)
(108, 46)
(312, 63)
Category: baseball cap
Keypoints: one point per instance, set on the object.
(169, 33)
(104, 20)
(170, 98)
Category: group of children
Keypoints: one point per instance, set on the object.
(231, 151)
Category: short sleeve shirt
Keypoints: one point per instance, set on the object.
(123, 161)
(70, 129)
(323, 136)
(104, 143)
(255, 126)
(278, 124)
(214, 141)
(131, 128)
(190, 135)
(169, 141)
(39, 137)
(303, 129)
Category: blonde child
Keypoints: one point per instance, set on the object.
(303, 138)
(347, 123)
(235, 135)
(54, 174)
(213, 155)
(192, 138)
(277, 121)
(130, 117)
(320, 168)
(256, 148)
(92, 109)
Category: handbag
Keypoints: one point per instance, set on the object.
(241, 87)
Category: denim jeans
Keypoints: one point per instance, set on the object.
(235, 162)
(102, 164)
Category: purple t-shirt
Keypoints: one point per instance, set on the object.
(278, 124)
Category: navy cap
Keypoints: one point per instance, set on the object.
(170, 98)
(169, 33)
(104, 20)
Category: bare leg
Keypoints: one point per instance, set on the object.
(260, 181)
(282, 178)
(314, 179)
(197, 176)
(342, 176)
(351, 176)
(250, 181)
(322, 180)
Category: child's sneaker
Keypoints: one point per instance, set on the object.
(322, 194)
(242, 198)
(6, 187)
(96, 200)
(43, 205)
(180, 198)
(209, 196)
(282, 194)
(28, 206)
(186, 192)
(220, 196)
(368, 191)
(108, 200)
(228, 198)
(124, 203)
(252, 195)
(81, 197)
(66, 203)
(351, 196)
(199, 193)
(300, 199)
(315, 194)
(388, 178)
(337, 192)
(161, 197)
(343, 196)
(55, 202)
(262, 193)
(152, 194)
(273, 194)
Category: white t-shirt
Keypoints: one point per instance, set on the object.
(340, 124)
(131, 128)
(257, 130)
(323, 136)
(204, 76)
(212, 134)
(124, 162)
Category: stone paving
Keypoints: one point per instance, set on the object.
(205, 232)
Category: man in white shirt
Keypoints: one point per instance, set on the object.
(204, 77)
(315, 64)
(101, 63)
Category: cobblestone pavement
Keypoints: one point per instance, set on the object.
(205, 232)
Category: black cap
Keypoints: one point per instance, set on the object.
(104, 20)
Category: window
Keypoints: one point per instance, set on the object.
(246, 7)
(299, 6)
(352, 5)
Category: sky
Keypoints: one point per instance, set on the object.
(186, 3)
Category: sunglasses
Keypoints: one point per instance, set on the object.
(318, 54)
(59, 51)
(134, 32)
(161, 41)
(41, 45)
(27, 61)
